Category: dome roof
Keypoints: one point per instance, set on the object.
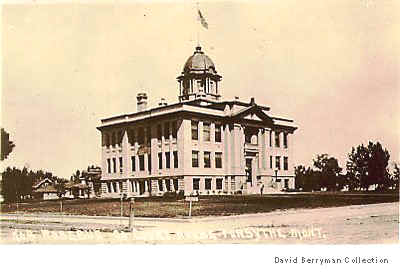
(199, 62)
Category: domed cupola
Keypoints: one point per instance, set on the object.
(199, 78)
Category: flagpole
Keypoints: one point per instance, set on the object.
(198, 25)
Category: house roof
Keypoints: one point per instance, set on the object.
(70, 185)
(41, 182)
(47, 189)
(199, 62)
(201, 107)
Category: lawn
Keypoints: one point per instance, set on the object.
(207, 205)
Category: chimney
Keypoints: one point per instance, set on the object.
(162, 102)
(236, 98)
(141, 101)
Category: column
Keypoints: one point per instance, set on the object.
(264, 149)
(260, 150)
(212, 132)
(201, 151)
(227, 149)
(145, 155)
(181, 185)
(184, 145)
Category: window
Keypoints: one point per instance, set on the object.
(255, 139)
(285, 163)
(247, 138)
(207, 159)
(149, 162)
(166, 131)
(108, 165)
(113, 138)
(175, 159)
(206, 132)
(278, 162)
(218, 160)
(217, 133)
(160, 160)
(141, 162)
(219, 184)
(114, 165)
(168, 184)
(131, 137)
(160, 185)
(121, 164)
(167, 160)
(208, 183)
(119, 137)
(140, 136)
(108, 187)
(133, 161)
(211, 87)
(270, 138)
(196, 184)
(270, 162)
(286, 183)
(107, 140)
(174, 130)
(195, 130)
(115, 189)
(175, 184)
(277, 142)
(200, 85)
(195, 159)
(285, 140)
(148, 135)
(159, 132)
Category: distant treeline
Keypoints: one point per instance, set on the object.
(17, 183)
(366, 166)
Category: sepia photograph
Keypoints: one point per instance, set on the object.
(201, 122)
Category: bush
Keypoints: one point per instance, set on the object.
(171, 195)
(181, 194)
(174, 195)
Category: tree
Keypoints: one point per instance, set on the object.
(300, 172)
(395, 177)
(307, 179)
(17, 184)
(329, 171)
(76, 176)
(377, 165)
(6, 145)
(368, 165)
(60, 187)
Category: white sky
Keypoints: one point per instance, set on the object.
(332, 66)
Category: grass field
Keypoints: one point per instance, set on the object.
(207, 205)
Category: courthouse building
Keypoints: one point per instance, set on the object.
(201, 144)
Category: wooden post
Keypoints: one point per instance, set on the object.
(61, 210)
(190, 209)
(121, 211)
(131, 214)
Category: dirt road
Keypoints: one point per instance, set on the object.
(358, 224)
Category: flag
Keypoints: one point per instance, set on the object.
(202, 20)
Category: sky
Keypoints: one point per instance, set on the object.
(332, 66)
